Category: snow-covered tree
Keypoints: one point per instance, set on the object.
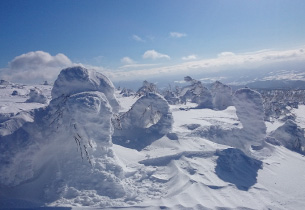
(196, 93)
(222, 96)
(147, 88)
(147, 120)
(36, 96)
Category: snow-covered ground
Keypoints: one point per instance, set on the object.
(181, 170)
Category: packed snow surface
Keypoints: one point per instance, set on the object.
(64, 154)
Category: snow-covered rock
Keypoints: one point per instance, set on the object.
(291, 136)
(222, 96)
(147, 120)
(36, 96)
(79, 79)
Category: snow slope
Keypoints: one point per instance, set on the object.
(190, 171)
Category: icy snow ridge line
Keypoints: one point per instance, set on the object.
(164, 160)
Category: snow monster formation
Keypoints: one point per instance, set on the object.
(291, 136)
(148, 120)
(248, 105)
(222, 96)
(66, 152)
(78, 79)
(196, 93)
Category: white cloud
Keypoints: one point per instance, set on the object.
(35, 67)
(152, 54)
(226, 54)
(260, 60)
(136, 65)
(189, 57)
(137, 38)
(127, 60)
(177, 34)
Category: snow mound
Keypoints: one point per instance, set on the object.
(36, 96)
(291, 136)
(148, 120)
(79, 79)
(222, 96)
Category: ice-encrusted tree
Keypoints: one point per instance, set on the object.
(69, 142)
(222, 95)
(148, 120)
(147, 87)
(291, 136)
(36, 96)
(196, 93)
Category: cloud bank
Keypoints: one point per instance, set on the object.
(35, 66)
(264, 60)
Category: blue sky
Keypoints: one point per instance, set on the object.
(137, 34)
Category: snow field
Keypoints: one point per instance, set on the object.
(63, 155)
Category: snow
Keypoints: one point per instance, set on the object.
(300, 117)
(79, 79)
(199, 161)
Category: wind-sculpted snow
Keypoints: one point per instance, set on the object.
(66, 152)
(37, 97)
(222, 96)
(148, 120)
(291, 136)
(79, 79)
(196, 93)
(147, 88)
(248, 105)
(179, 157)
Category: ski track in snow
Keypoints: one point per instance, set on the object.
(190, 173)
